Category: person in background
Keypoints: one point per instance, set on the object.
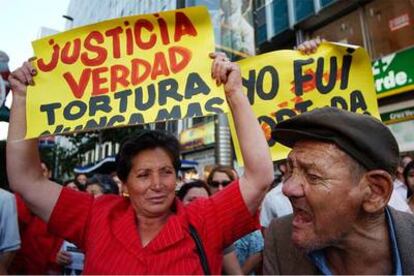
(71, 184)
(218, 179)
(190, 174)
(398, 199)
(130, 235)
(118, 182)
(39, 247)
(399, 186)
(46, 171)
(9, 230)
(206, 171)
(101, 184)
(408, 175)
(69, 256)
(192, 190)
(275, 203)
(248, 249)
(80, 181)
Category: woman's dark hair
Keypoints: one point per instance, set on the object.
(407, 169)
(143, 140)
(227, 170)
(104, 181)
(66, 183)
(188, 186)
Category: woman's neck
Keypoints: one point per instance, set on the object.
(149, 227)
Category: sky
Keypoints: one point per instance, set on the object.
(20, 23)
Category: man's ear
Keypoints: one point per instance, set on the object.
(380, 187)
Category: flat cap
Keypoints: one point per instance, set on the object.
(363, 137)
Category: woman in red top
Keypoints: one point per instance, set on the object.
(148, 233)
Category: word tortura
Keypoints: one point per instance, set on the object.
(144, 34)
(101, 108)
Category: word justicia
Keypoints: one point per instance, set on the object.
(93, 50)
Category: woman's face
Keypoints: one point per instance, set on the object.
(82, 179)
(220, 180)
(95, 190)
(194, 193)
(410, 179)
(151, 183)
(72, 186)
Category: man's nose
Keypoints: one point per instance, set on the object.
(293, 186)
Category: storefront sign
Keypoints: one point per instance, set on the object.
(399, 22)
(197, 137)
(394, 74)
(404, 134)
(396, 116)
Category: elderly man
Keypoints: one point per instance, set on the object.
(339, 181)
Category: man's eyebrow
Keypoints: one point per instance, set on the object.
(311, 164)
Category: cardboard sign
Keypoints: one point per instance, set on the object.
(126, 71)
(285, 83)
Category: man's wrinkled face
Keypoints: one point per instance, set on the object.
(325, 195)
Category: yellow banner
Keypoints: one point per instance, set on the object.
(285, 83)
(125, 71)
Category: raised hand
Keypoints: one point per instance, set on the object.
(226, 72)
(310, 46)
(21, 78)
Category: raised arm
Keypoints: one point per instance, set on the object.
(258, 170)
(23, 161)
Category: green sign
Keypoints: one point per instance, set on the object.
(396, 116)
(394, 74)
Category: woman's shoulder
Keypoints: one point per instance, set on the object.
(111, 203)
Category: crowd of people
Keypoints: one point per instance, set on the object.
(337, 209)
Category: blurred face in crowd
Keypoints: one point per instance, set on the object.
(151, 183)
(45, 170)
(405, 160)
(95, 190)
(410, 179)
(219, 181)
(195, 193)
(190, 174)
(324, 192)
(118, 183)
(72, 186)
(82, 179)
